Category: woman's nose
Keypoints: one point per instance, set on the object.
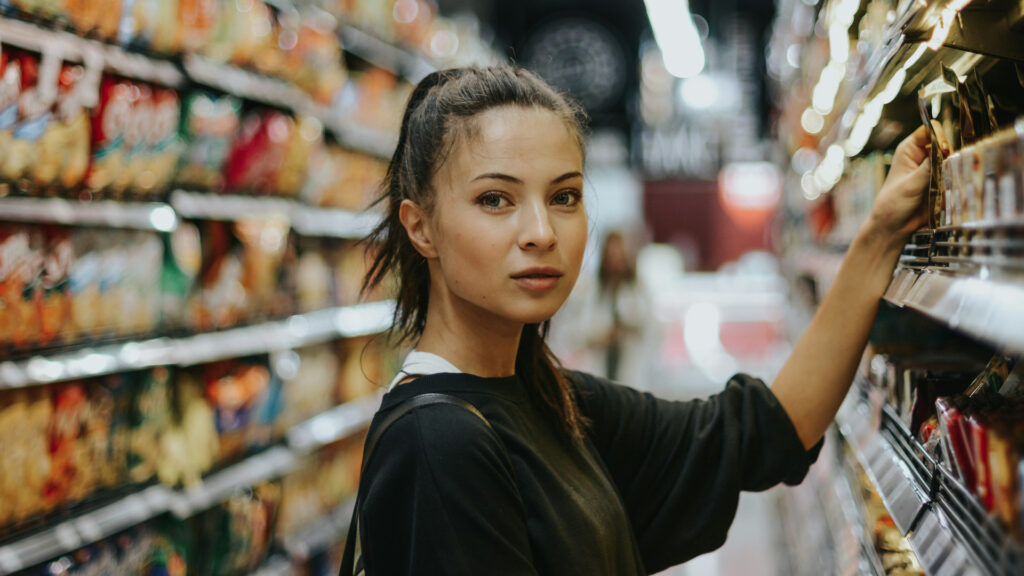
(536, 231)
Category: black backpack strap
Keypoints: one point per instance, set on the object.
(350, 565)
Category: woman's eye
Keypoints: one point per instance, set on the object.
(566, 198)
(491, 200)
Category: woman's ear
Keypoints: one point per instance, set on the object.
(417, 226)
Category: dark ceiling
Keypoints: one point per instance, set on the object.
(518, 26)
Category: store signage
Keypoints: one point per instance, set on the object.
(680, 152)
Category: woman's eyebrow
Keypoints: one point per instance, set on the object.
(567, 176)
(498, 176)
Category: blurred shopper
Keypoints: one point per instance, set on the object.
(485, 457)
(606, 325)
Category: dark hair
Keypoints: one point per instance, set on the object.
(440, 110)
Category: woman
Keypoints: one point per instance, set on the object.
(603, 328)
(571, 474)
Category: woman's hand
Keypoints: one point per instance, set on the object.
(898, 210)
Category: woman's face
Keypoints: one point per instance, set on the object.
(509, 227)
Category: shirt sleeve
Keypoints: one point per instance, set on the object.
(680, 466)
(440, 498)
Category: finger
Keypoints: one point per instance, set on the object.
(940, 134)
(913, 146)
(917, 181)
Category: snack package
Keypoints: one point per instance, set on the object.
(182, 262)
(150, 418)
(263, 242)
(150, 24)
(108, 169)
(84, 285)
(208, 128)
(223, 299)
(991, 379)
(136, 141)
(115, 300)
(21, 294)
(233, 390)
(258, 153)
(310, 379)
(295, 164)
(316, 63)
(143, 255)
(164, 145)
(55, 310)
(97, 18)
(24, 422)
(242, 33)
(315, 288)
(1003, 456)
(189, 447)
(64, 147)
(38, 76)
(956, 440)
(10, 87)
(241, 531)
(70, 469)
(198, 19)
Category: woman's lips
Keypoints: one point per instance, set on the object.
(538, 279)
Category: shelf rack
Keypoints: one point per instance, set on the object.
(226, 78)
(947, 527)
(153, 501)
(297, 331)
(380, 53)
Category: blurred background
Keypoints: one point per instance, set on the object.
(187, 368)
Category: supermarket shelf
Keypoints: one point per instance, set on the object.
(333, 425)
(321, 533)
(84, 529)
(72, 47)
(305, 220)
(107, 213)
(982, 28)
(216, 488)
(854, 519)
(297, 331)
(947, 527)
(986, 308)
(380, 53)
(246, 84)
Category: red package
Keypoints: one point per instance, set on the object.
(110, 122)
(68, 457)
(955, 440)
(55, 309)
(136, 141)
(259, 152)
(979, 429)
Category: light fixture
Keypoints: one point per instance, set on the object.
(676, 36)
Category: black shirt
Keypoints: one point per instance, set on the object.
(654, 484)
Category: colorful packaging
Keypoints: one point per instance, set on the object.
(36, 95)
(263, 242)
(55, 311)
(108, 170)
(97, 18)
(209, 126)
(197, 18)
(70, 469)
(310, 379)
(150, 418)
(21, 294)
(258, 153)
(151, 24)
(24, 423)
(223, 299)
(84, 285)
(188, 448)
(64, 147)
(956, 440)
(115, 300)
(143, 253)
(10, 88)
(234, 390)
(182, 262)
(164, 145)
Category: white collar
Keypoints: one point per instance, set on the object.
(422, 364)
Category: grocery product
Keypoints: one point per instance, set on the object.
(84, 285)
(189, 446)
(150, 417)
(111, 122)
(309, 383)
(70, 475)
(24, 426)
(21, 268)
(236, 392)
(208, 127)
(258, 153)
(238, 533)
(55, 309)
(64, 147)
(36, 78)
(182, 260)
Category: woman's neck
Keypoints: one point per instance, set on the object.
(472, 339)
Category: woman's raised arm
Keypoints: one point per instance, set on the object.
(816, 377)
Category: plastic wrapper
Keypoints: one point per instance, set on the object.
(957, 447)
(258, 154)
(235, 391)
(208, 129)
(24, 428)
(182, 262)
(21, 295)
(36, 76)
(84, 285)
(55, 311)
(149, 420)
(64, 147)
(112, 119)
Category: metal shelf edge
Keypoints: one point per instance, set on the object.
(333, 425)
